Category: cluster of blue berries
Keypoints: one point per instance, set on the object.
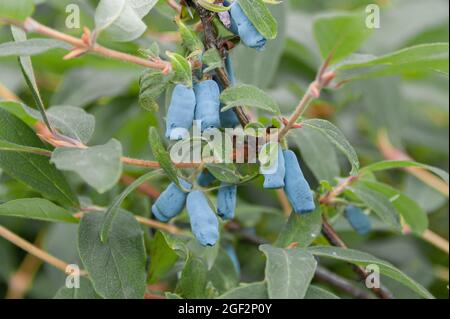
(286, 173)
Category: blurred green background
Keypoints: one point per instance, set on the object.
(413, 109)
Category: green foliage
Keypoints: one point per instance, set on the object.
(81, 152)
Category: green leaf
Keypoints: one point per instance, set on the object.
(364, 259)
(212, 59)
(261, 17)
(318, 153)
(85, 291)
(257, 290)
(117, 268)
(71, 121)
(288, 272)
(30, 47)
(99, 166)
(122, 19)
(113, 209)
(16, 108)
(385, 165)
(182, 68)
(211, 6)
(224, 172)
(33, 170)
(16, 9)
(193, 281)
(152, 84)
(190, 39)
(379, 203)
(12, 147)
(301, 229)
(421, 58)
(223, 274)
(92, 84)
(248, 95)
(162, 156)
(36, 208)
(162, 258)
(339, 35)
(415, 217)
(28, 73)
(336, 137)
(315, 292)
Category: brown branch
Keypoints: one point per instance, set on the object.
(334, 239)
(321, 274)
(81, 46)
(20, 282)
(390, 152)
(211, 41)
(33, 250)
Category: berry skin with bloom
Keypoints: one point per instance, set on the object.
(171, 202)
(275, 174)
(296, 187)
(226, 201)
(242, 26)
(205, 179)
(180, 114)
(204, 222)
(207, 94)
(358, 220)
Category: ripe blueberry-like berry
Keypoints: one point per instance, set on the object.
(171, 202)
(226, 201)
(358, 220)
(204, 223)
(242, 26)
(275, 173)
(296, 186)
(207, 94)
(180, 114)
(205, 179)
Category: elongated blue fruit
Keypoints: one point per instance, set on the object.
(205, 179)
(204, 223)
(274, 175)
(296, 186)
(180, 114)
(234, 258)
(207, 94)
(242, 26)
(358, 220)
(226, 201)
(171, 202)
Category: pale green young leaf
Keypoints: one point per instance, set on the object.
(182, 69)
(248, 95)
(336, 137)
(261, 17)
(99, 166)
(30, 47)
(341, 34)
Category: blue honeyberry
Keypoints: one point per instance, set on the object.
(242, 26)
(180, 114)
(230, 71)
(296, 186)
(207, 94)
(274, 175)
(358, 220)
(204, 222)
(234, 258)
(171, 202)
(226, 201)
(205, 179)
